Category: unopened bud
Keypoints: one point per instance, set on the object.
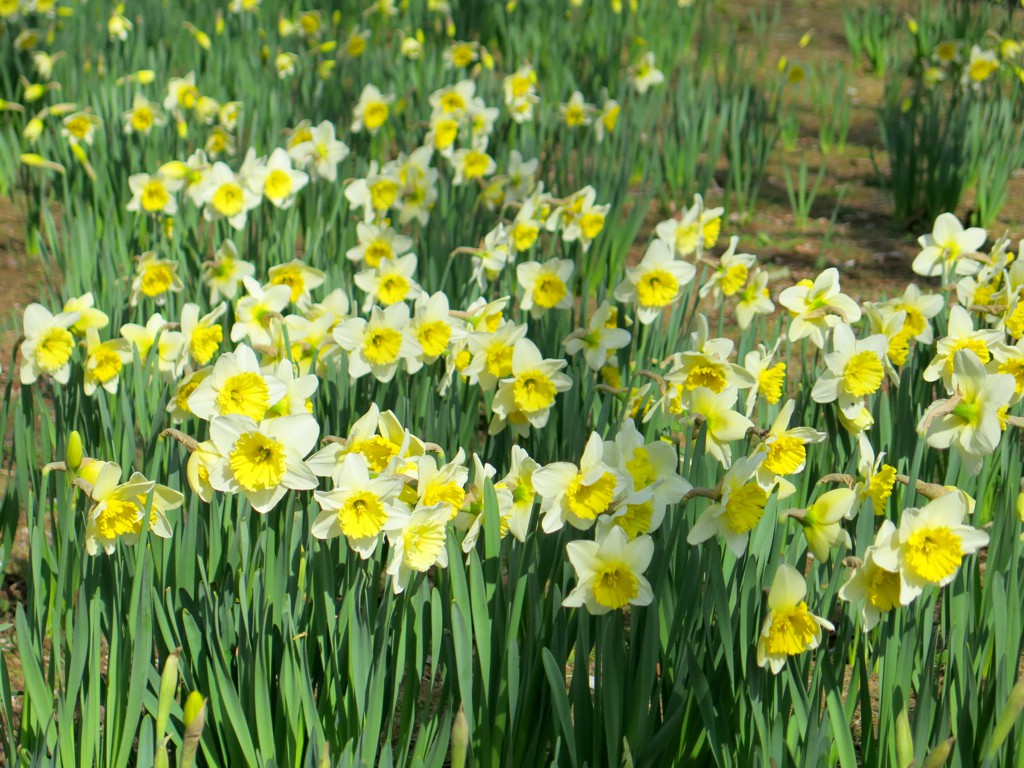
(73, 453)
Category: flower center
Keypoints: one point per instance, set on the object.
(770, 382)
(445, 131)
(932, 554)
(181, 399)
(423, 542)
(615, 585)
(228, 200)
(119, 517)
(382, 346)
(246, 394)
(1014, 367)
(54, 349)
(589, 501)
(377, 251)
(533, 391)
(499, 360)
(641, 469)
(293, 279)
(376, 450)
(863, 374)
(476, 164)
(975, 345)
(452, 102)
(375, 114)
(257, 461)
(106, 364)
(785, 456)
(575, 115)
(383, 193)
(392, 288)
(884, 590)
(278, 185)
(156, 280)
(792, 630)
(154, 196)
(362, 515)
(657, 288)
(524, 235)
(433, 337)
(710, 376)
(449, 493)
(205, 342)
(548, 291)
(637, 519)
(745, 507)
(880, 487)
(733, 279)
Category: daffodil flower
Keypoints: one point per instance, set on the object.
(610, 572)
(785, 451)
(417, 543)
(236, 386)
(875, 588)
(655, 283)
(579, 495)
(969, 422)
(737, 511)
(655, 485)
(545, 286)
(48, 344)
(600, 337)
(723, 424)
(943, 250)
(818, 307)
(854, 370)
(822, 522)
(519, 482)
(929, 546)
(525, 398)
(379, 345)
(263, 460)
(789, 628)
(120, 509)
(358, 506)
(960, 335)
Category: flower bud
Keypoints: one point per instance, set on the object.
(73, 453)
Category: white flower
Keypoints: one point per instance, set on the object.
(645, 74)
(377, 345)
(789, 628)
(578, 495)
(258, 315)
(969, 422)
(610, 572)
(225, 195)
(525, 398)
(545, 286)
(929, 546)
(599, 337)
(655, 283)
(322, 153)
(818, 307)
(854, 369)
(48, 344)
(943, 251)
(358, 507)
(264, 460)
(417, 543)
(371, 111)
(236, 386)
